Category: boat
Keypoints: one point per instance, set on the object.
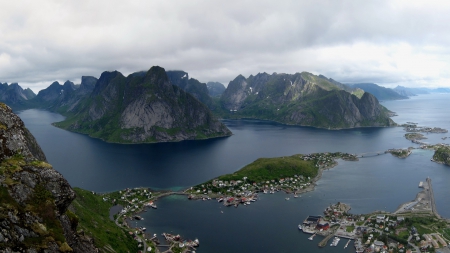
(220, 200)
(295, 196)
(335, 241)
(300, 226)
(311, 237)
(286, 198)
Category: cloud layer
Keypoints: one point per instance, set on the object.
(386, 42)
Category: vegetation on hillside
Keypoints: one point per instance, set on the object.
(442, 155)
(92, 214)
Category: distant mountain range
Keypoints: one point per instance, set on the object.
(380, 92)
(143, 107)
(302, 99)
(215, 88)
(405, 91)
(155, 105)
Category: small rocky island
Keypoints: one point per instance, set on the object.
(400, 153)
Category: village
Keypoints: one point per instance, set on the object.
(245, 190)
(134, 201)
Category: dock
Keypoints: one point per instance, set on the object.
(346, 245)
(431, 197)
(325, 240)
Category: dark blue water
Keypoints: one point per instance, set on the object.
(375, 183)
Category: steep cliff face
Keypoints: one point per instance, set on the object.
(302, 99)
(142, 108)
(34, 197)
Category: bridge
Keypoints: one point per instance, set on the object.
(370, 154)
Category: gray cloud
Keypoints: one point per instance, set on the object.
(386, 42)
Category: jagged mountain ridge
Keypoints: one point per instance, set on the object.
(143, 107)
(34, 214)
(15, 96)
(302, 99)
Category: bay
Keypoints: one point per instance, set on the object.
(373, 183)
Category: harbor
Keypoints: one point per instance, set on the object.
(382, 231)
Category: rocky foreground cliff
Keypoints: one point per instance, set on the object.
(34, 215)
(143, 107)
(302, 99)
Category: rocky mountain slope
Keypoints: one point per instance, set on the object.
(302, 99)
(381, 93)
(143, 107)
(14, 96)
(34, 197)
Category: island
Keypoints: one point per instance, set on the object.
(291, 174)
(442, 155)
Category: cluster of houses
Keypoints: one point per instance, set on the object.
(242, 190)
(246, 188)
(376, 233)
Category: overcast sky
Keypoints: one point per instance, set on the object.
(386, 42)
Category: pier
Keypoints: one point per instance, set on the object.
(431, 198)
(325, 240)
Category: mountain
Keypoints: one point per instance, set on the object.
(416, 91)
(409, 92)
(190, 85)
(52, 96)
(143, 107)
(34, 214)
(215, 88)
(302, 99)
(381, 93)
(440, 90)
(63, 98)
(14, 96)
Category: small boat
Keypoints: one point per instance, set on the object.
(220, 200)
(300, 226)
(286, 198)
(311, 237)
(295, 196)
(335, 241)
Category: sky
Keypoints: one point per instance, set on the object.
(385, 42)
